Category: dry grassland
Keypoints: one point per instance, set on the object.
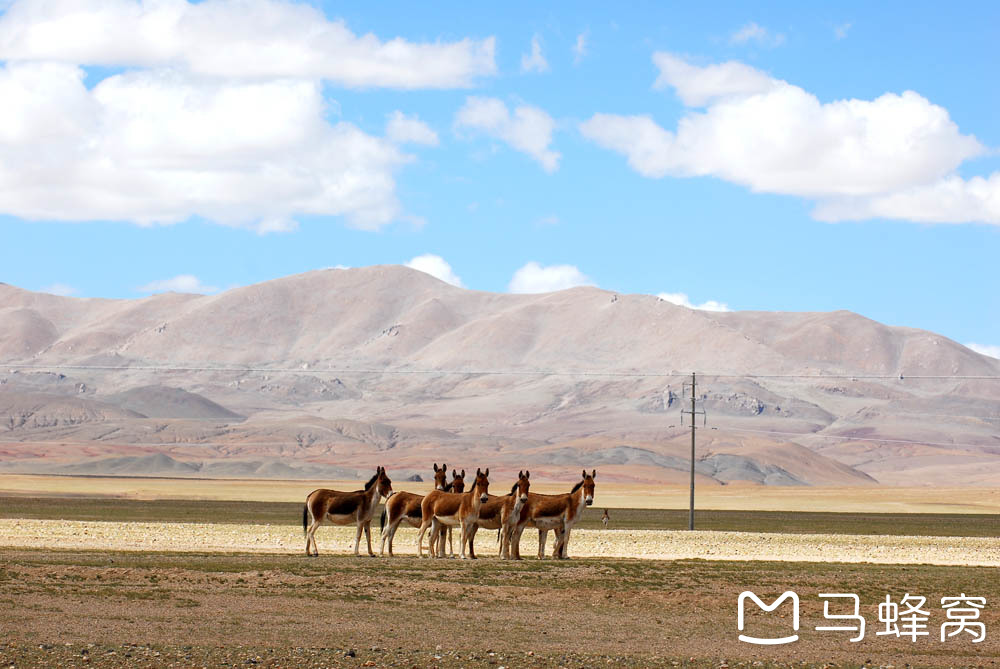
(868, 499)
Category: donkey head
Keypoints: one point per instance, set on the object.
(522, 485)
(588, 486)
(440, 477)
(383, 483)
(482, 484)
(457, 481)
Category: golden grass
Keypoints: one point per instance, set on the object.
(867, 499)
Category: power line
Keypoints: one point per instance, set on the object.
(488, 372)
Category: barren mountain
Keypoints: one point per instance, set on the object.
(335, 371)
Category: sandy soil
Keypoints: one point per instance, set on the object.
(647, 544)
(99, 608)
(877, 499)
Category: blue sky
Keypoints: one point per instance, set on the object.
(778, 157)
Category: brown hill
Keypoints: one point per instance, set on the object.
(561, 397)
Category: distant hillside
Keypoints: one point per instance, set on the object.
(773, 420)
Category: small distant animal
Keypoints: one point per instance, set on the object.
(605, 518)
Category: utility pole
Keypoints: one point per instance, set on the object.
(693, 412)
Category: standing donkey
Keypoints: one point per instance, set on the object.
(405, 506)
(497, 511)
(345, 508)
(553, 512)
(453, 509)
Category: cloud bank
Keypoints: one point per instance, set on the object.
(892, 157)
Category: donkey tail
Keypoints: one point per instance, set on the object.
(499, 530)
(305, 517)
(381, 522)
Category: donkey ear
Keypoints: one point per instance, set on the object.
(478, 471)
(454, 474)
(463, 473)
(584, 473)
(435, 468)
(527, 474)
(520, 473)
(444, 467)
(487, 472)
(593, 474)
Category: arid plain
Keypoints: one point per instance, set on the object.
(155, 455)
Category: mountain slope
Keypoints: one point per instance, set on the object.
(581, 366)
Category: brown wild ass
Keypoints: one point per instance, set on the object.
(553, 512)
(405, 506)
(345, 508)
(498, 512)
(453, 509)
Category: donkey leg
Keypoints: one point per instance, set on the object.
(464, 538)
(515, 541)
(442, 536)
(451, 542)
(420, 537)
(434, 542)
(386, 531)
(561, 545)
(472, 541)
(392, 535)
(543, 537)
(368, 538)
(311, 538)
(357, 538)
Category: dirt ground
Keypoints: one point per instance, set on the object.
(647, 544)
(101, 608)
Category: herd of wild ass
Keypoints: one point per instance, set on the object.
(449, 506)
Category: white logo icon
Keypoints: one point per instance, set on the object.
(769, 642)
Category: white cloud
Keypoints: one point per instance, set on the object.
(682, 300)
(403, 129)
(894, 156)
(534, 61)
(840, 32)
(528, 130)
(437, 267)
(992, 351)
(752, 32)
(948, 200)
(234, 39)
(580, 48)
(61, 289)
(551, 219)
(698, 86)
(161, 146)
(182, 283)
(534, 278)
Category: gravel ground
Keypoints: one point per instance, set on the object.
(647, 544)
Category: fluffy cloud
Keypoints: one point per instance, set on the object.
(992, 351)
(894, 156)
(528, 130)
(437, 267)
(182, 283)
(60, 289)
(682, 300)
(404, 130)
(840, 32)
(534, 278)
(162, 146)
(233, 39)
(752, 32)
(534, 61)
